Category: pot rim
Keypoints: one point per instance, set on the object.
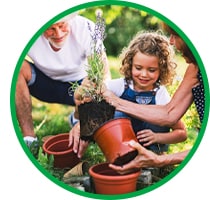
(57, 136)
(112, 177)
(46, 148)
(111, 120)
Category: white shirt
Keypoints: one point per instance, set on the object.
(117, 86)
(70, 62)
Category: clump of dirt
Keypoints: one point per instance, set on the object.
(92, 115)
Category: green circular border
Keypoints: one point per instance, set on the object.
(101, 3)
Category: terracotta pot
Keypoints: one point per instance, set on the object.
(57, 145)
(113, 138)
(108, 181)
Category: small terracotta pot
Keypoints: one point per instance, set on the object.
(113, 138)
(57, 145)
(108, 181)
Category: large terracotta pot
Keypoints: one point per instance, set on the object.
(113, 137)
(108, 181)
(57, 145)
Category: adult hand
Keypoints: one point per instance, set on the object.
(79, 146)
(145, 158)
(110, 97)
(80, 95)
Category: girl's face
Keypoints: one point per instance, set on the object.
(145, 71)
(57, 34)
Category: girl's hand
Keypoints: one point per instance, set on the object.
(147, 137)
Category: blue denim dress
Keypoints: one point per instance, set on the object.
(147, 97)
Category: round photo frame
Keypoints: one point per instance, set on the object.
(97, 4)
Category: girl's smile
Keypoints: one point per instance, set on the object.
(145, 71)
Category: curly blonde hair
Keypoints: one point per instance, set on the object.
(152, 44)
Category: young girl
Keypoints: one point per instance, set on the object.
(147, 65)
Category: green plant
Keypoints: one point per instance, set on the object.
(47, 162)
(96, 64)
(93, 154)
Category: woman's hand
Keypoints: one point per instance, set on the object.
(110, 97)
(145, 158)
(79, 146)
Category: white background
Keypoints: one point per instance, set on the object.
(19, 178)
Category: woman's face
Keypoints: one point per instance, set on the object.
(145, 71)
(179, 44)
(176, 41)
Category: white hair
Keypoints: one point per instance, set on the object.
(67, 17)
